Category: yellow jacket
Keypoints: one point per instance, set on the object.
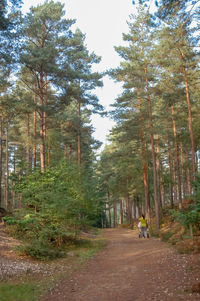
(143, 222)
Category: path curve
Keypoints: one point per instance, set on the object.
(131, 269)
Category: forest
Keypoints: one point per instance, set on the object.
(52, 186)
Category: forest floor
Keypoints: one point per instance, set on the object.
(126, 269)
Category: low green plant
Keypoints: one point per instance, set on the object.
(41, 251)
(19, 292)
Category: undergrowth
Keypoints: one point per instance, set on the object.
(33, 288)
(19, 292)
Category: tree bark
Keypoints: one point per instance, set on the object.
(144, 162)
(114, 214)
(121, 213)
(156, 201)
(170, 174)
(189, 115)
(1, 155)
(189, 189)
(158, 172)
(182, 172)
(79, 133)
(7, 205)
(177, 158)
(42, 127)
(34, 130)
(28, 154)
(175, 183)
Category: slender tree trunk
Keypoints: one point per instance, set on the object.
(45, 103)
(177, 158)
(188, 181)
(79, 133)
(134, 208)
(121, 212)
(34, 130)
(162, 188)
(175, 183)
(109, 209)
(156, 201)
(171, 176)
(1, 155)
(144, 163)
(42, 127)
(7, 205)
(158, 172)
(182, 172)
(189, 116)
(28, 155)
(115, 214)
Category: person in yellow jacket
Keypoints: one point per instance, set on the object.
(143, 225)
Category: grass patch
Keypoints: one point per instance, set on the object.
(19, 292)
(88, 248)
(92, 249)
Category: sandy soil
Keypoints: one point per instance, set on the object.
(131, 269)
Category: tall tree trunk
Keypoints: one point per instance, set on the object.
(170, 174)
(182, 172)
(177, 158)
(1, 155)
(42, 127)
(144, 162)
(28, 157)
(158, 171)
(175, 182)
(121, 213)
(128, 202)
(79, 133)
(115, 214)
(189, 190)
(156, 201)
(34, 130)
(7, 205)
(134, 208)
(109, 209)
(189, 115)
(162, 188)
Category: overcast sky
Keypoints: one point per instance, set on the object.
(103, 22)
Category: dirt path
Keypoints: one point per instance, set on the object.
(131, 269)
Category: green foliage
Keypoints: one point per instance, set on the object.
(57, 204)
(190, 217)
(16, 292)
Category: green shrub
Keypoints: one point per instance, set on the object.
(56, 206)
(41, 250)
